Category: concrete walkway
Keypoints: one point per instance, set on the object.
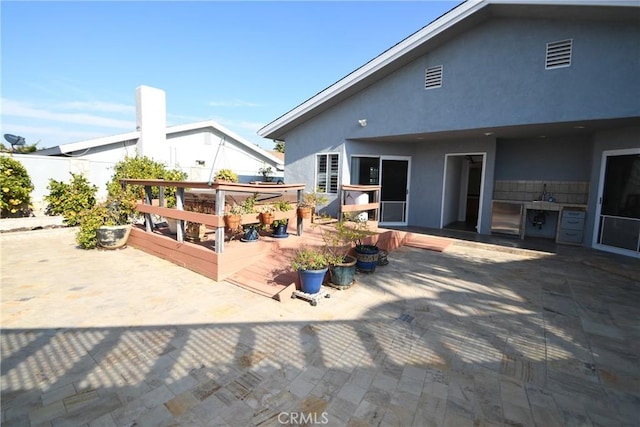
(476, 335)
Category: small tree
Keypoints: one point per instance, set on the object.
(16, 188)
(69, 199)
(279, 146)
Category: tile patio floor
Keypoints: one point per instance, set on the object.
(475, 335)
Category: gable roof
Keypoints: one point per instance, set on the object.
(171, 130)
(447, 26)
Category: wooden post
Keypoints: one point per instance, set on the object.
(147, 217)
(219, 244)
(161, 197)
(299, 218)
(180, 207)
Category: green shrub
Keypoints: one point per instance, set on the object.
(310, 259)
(142, 167)
(16, 188)
(113, 211)
(69, 199)
(226, 175)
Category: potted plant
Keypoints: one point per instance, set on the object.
(194, 231)
(310, 201)
(266, 214)
(267, 173)
(312, 265)
(233, 218)
(339, 239)
(355, 229)
(106, 224)
(279, 226)
(226, 175)
(250, 231)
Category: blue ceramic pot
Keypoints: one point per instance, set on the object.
(311, 280)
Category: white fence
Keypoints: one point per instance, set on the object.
(43, 168)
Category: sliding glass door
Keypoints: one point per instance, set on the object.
(618, 213)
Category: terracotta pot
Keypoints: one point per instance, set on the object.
(266, 218)
(232, 222)
(304, 213)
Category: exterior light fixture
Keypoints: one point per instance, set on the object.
(363, 122)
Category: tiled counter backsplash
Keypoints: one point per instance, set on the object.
(572, 192)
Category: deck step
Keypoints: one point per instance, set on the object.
(430, 243)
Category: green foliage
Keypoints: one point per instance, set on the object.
(310, 259)
(341, 236)
(69, 199)
(249, 205)
(15, 187)
(313, 199)
(266, 172)
(226, 175)
(114, 211)
(278, 146)
(19, 149)
(236, 209)
(278, 222)
(142, 167)
(283, 205)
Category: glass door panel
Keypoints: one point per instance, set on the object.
(619, 221)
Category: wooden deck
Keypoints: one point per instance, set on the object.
(262, 267)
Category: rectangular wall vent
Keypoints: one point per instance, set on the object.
(559, 54)
(433, 77)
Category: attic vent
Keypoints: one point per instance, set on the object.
(559, 54)
(433, 77)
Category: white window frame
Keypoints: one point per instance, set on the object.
(328, 173)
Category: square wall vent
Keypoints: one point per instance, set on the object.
(433, 77)
(559, 54)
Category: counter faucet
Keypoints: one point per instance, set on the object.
(543, 196)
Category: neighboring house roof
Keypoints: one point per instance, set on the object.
(74, 147)
(444, 28)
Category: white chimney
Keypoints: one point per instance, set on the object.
(151, 122)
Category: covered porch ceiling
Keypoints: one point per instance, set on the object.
(544, 130)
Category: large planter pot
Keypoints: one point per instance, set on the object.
(311, 280)
(367, 258)
(172, 224)
(232, 222)
(342, 274)
(113, 236)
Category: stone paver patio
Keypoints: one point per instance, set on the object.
(475, 335)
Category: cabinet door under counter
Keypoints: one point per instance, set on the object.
(571, 226)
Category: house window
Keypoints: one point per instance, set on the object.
(433, 77)
(558, 54)
(327, 173)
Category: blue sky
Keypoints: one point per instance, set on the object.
(70, 69)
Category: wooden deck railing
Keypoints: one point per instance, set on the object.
(216, 220)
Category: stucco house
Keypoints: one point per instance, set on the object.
(200, 149)
(511, 117)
